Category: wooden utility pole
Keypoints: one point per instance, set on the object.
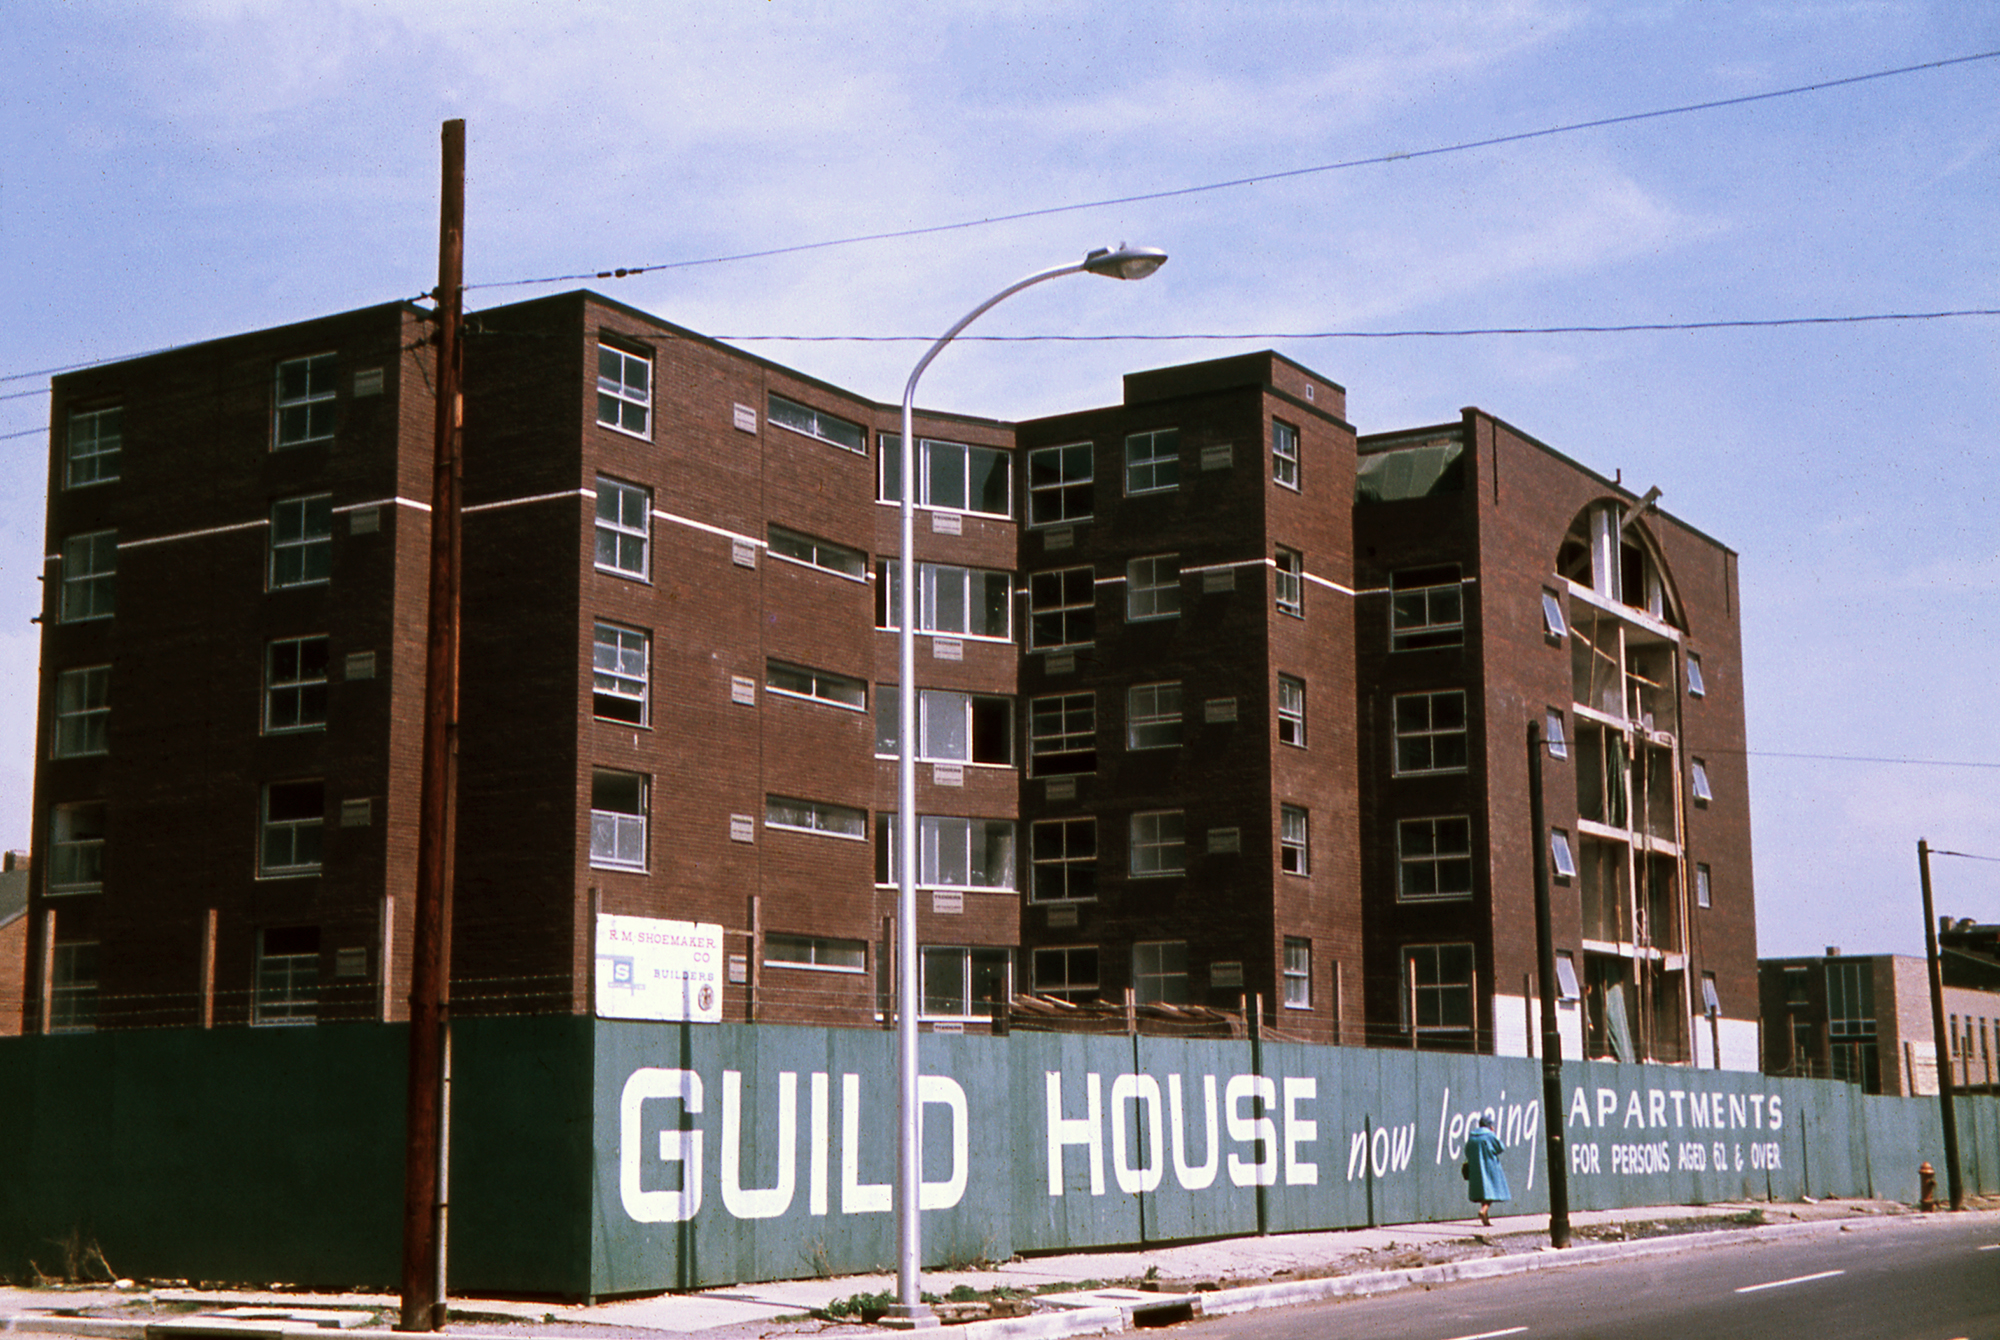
(1939, 1037)
(1557, 1157)
(425, 1181)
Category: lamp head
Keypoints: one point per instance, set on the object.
(1123, 262)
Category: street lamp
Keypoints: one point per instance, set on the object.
(1120, 262)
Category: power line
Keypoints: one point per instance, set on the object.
(1463, 146)
(1859, 758)
(1965, 856)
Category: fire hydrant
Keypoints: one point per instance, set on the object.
(1927, 1181)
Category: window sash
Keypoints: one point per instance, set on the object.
(824, 953)
(1294, 840)
(958, 602)
(1431, 732)
(76, 847)
(1153, 461)
(1062, 609)
(1427, 616)
(817, 553)
(815, 816)
(304, 404)
(1696, 687)
(1291, 711)
(1062, 733)
(1153, 588)
(302, 541)
(295, 684)
(624, 527)
(624, 390)
(957, 982)
(1153, 716)
(1061, 484)
(1284, 454)
(1159, 843)
(73, 987)
(1434, 858)
(294, 821)
(817, 423)
(1289, 577)
(1063, 860)
(96, 447)
(89, 571)
(1066, 972)
(83, 712)
(1698, 780)
(951, 476)
(1440, 977)
(953, 852)
(1298, 973)
(1552, 615)
(1160, 972)
(799, 681)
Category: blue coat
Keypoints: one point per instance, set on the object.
(1487, 1180)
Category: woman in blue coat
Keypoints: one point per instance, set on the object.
(1485, 1179)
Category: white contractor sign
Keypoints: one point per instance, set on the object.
(664, 971)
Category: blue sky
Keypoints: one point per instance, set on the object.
(176, 171)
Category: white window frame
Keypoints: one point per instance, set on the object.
(933, 959)
(1704, 885)
(1159, 844)
(1153, 716)
(1288, 569)
(1153, 588)
(302, 834)
(95, 451)
(1072, 852)
(1285, 455)
(1152, 461)
(1436, 859)
(1294, 839)
(619, 396)
(618, 529)
(1292, 713)
(1698, 782)
(1553, 622)
(1562, 854)
(287, 991)
(820, 818)
(818, 424)
(1697, 687)
(1556, 738)
(1069, 610)
(1062, 726)
(1298, 973)
(303, 413)
(1439, 988)
(810, 551)
(1160, 973)
(1072, 987)
(302, 541)
(985, 851)
(1056, 495)
(76, 847)
(620, 672)
(82, 724)
(931, 454)
(615, 833)
(933, 578)
(294, 683)
(788, 679)
(1415, 621)
(815, 953)
(72, 989)
(89, 576)
(1425, 739)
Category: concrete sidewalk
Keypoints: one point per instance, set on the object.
(1072, 1294)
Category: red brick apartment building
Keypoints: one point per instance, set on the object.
(1217, 700)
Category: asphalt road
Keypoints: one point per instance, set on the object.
(1930, 1278)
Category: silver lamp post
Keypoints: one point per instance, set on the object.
(1121, 262)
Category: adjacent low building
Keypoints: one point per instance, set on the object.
(1220, 703)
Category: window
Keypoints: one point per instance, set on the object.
(1289, 575)
(816, 951)
(1153, 461)
(287, 975)
(1798, 980)
(96, 447)
(83, 712)
(1153, 716)
(305, 401)
(1159, 972)
(1159, 843)
(1434, 858)
(1426, 609)
(1153, 587)
(1566, 983)
(1298, 973)
(952, 727)
(624, 527)
(1702, 889)
(800, 681)
(1696, 688)
(967, 602)
(821, 554)
(815, 816)
(294, 818)
(1067, 972)
(1064, 858)
(301, 541)
(1554, 737)
(89, 573)
(1062, 734)
(1294, 840)
(1553, 622)
(624, 390)
(1437, 979)
(817, 423)
(951, 476)
(76, 847)
(1711, 1003)
(1062, 609)
(952, 852)
(618, 673)
(73, 987)
(1430, 732)
(1561, 857)
(295, 684)
(1291, 711)
(617, 819)
(1060, 484)
(1698, 780)
(962, 983)
(1284, 454)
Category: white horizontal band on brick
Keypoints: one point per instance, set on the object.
(521, 502)
(1225, 567)
(692, 524)
(411, 503)
(1331, 586)
(258, 524)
